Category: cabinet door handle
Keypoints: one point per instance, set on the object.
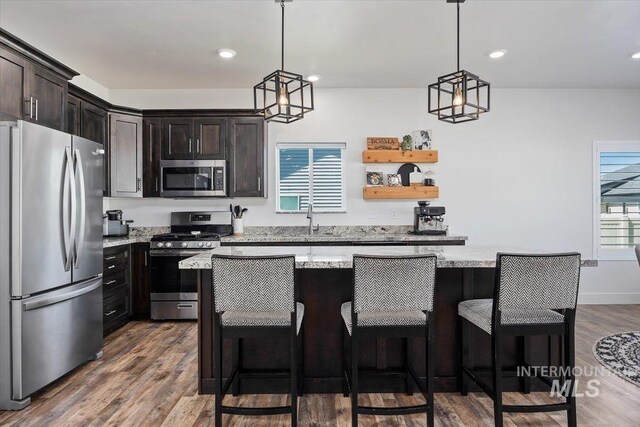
(156, 183)
(36, 110)
(259, 184)
(111, 267)
(109, 258)
(139, 184)
(145, 258)
(110, 282)
(110, 313)
(189, 144)
(30, 107)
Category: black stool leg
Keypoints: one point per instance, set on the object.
(526, 354)
(407, 360)
(345, 388)
(464, 379)
(570, 363)
(300, 365)
(294, 372)
(430, 369)
(218, 372)
(354, 376)
(497, 377)
(235, 355)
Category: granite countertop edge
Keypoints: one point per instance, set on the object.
(310, 257)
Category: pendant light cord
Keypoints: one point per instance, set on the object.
(458, 40)
(282, 36)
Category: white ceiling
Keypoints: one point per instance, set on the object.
(351, 43)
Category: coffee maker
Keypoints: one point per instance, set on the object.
(429, 220)
(113, 225)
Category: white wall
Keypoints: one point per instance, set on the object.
(520, 176)
(91, 86)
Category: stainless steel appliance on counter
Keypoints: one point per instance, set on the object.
(429, 220)
(193, 178)
(50, 257)
(113, 225)
(174, 293)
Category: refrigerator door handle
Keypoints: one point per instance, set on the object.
(71, 188)
(45, 301)
(79, 241)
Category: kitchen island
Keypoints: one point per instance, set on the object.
(324, 282)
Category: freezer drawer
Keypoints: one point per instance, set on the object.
(53, 333)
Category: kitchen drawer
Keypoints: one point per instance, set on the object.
(115, 292)
(114, 279)
(116, 259)
(115, 314)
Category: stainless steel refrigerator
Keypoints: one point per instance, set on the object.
(50, 257)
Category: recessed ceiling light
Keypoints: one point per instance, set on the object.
(313, 77)
(635, 55)
(495, 54)
(226, 53)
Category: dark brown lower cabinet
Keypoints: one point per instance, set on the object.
(140, 281)
(116, 288)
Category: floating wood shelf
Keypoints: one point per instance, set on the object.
(421, 192)
(399, 156)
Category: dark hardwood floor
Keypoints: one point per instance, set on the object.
(148, 376)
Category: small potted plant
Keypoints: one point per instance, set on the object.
(407, 143)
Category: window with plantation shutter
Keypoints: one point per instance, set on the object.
(310, 173)
(617, 199)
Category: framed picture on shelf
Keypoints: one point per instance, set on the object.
(394, 180)
(422, 139)
(374, 179)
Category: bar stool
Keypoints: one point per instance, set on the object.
(254, 297)
(392, 297)
(533, 295)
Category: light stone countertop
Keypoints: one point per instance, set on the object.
(341, 256)
(297, 234)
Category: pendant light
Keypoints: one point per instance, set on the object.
(460, 96)
(283, 96)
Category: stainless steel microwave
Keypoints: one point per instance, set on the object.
(193, 178)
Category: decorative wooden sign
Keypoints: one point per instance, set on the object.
(382, 143)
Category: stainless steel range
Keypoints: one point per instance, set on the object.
(174, 293)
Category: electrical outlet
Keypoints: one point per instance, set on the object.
(394, 214)
(372, 215)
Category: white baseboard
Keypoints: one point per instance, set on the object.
(606, 298)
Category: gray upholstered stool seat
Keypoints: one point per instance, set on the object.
(478, 312)
(263, 318)
(383, 318)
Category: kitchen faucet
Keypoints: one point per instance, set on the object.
(310, 217)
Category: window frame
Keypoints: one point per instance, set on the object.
(342, 146)
(604, 146)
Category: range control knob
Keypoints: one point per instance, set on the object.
(200, 244)
(168, 244)
(184, 244)
(208, 244)
(160, 244)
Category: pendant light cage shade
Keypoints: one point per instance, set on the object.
(283, 97)
(459, 97)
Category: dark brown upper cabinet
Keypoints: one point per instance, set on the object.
(13, 84)
(125, 155)
(94, 122)
(177, 139)
(73, 115)
(247, 150)
(151, 132)
(210, 136)
(32, 84)
(194, 139)
(47, 98)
